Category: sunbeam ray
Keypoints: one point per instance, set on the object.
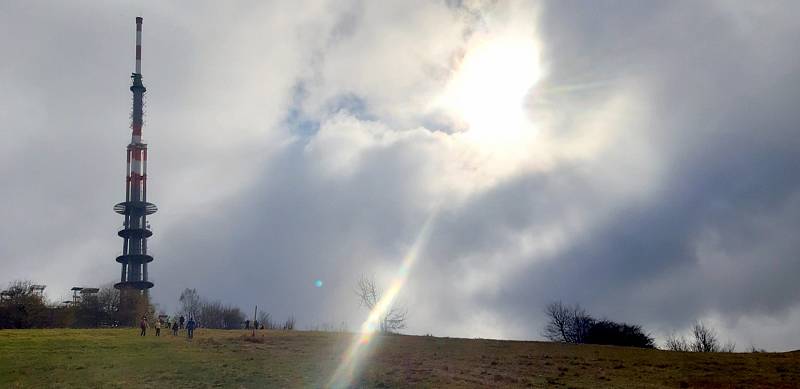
(363, 343)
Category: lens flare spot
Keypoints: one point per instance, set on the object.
(318, 283)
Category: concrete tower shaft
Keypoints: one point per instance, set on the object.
(135, 229)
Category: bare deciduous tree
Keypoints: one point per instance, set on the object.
(265, 319)
(728, 347)
(215, 314)
(190, 303)
(558, 316)
(566, 323)
(289, 323)
(704, 339)
(109, 301)
(393, 319)
(754, 349)
(676, 343)
(581, 325)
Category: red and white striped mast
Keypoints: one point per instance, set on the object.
(137, 88)
(136, 230)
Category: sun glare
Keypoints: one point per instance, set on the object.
(487, 91)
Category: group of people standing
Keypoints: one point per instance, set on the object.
(175, 326)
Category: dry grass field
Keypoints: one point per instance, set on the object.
(121, 359)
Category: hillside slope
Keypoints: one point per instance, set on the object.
(120, 358)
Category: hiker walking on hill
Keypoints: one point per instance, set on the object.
(143, 325)
(175, 328)
(157, 325)
(190, 327)
(181, 320)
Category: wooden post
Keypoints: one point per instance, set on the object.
(255, 318)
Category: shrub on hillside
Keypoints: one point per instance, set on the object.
(618, 334)
(571, 324)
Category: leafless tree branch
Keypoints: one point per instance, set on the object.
(394, 319)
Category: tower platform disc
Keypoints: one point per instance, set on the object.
(131, 207)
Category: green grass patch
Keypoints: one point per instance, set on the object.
(119, 358)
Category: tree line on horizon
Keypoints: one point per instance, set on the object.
(215, 314)
(572, 324)
(22, 307)
(109, 307)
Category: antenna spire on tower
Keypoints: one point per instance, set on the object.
(138, 45)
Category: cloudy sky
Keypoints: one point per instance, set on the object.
(637, 158)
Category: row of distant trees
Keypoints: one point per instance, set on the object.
(215, 314)
(572, 324)
(210, 314)
(703, 340)
(23, 307)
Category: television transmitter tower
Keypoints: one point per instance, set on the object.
(136, 230)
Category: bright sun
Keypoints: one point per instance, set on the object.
(488, 89)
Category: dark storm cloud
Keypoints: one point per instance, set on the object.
(724, 123)
(299, 226)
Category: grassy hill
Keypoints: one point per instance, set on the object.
(120, 358)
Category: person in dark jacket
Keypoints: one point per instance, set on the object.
(190, 325)
(175, 328)
(181, 320)
(143, 325)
